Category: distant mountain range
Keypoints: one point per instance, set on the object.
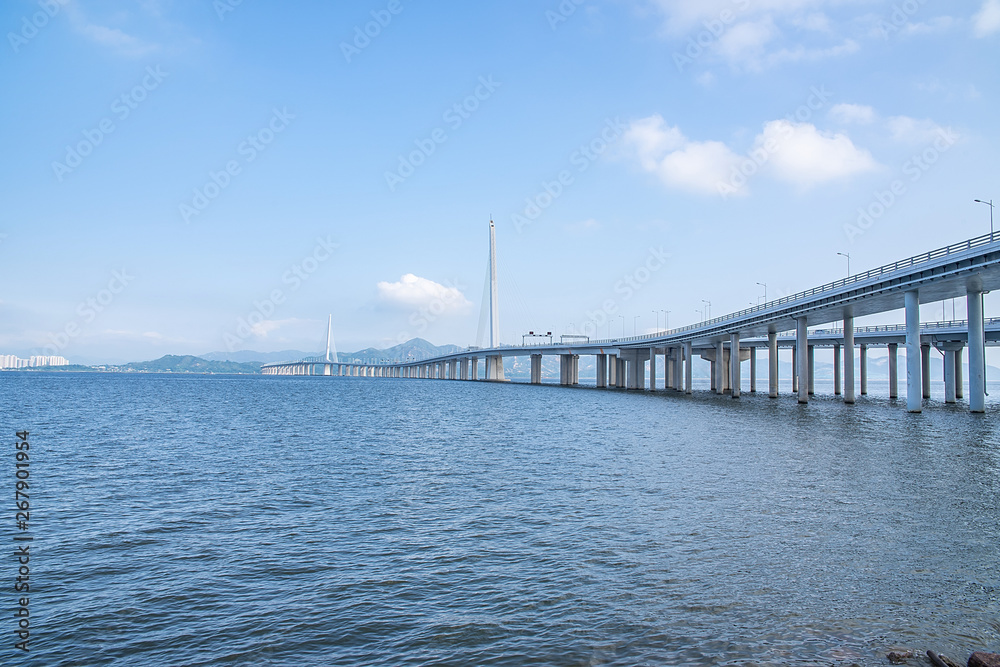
(412, 350)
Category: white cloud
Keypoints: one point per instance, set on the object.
(806, 156)
(682, 15)
(679, 162)
(914, 131)
(934, 25)
(796, 153)
(415, 292)
(112, 38)
(746, 41)
(853, 113)
(987, 21)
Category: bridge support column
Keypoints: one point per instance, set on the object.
(949, 375)
(795, 369)
(802, 353)
(565, 370)
(811, 373)
(925, 369)
(849, 359)
(494, 368)
(713, 377)
(474, 371)
(772, 364)
(679, 369)
(893, 370)
(734, 364)
(621, 376)
(612, 370)
(688, 370)
(977, 352)
(576, 369)
(670, 368)
(864, 369)
(536, 369)
(913, 389)
(753, 370)
(652, 369)
(720, 368)
(959, 392)
(602, 371)
(836, 369)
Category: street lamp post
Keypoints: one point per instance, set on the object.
(764, 285)
(623, 325)
(666, 320)
(635, 326)
(990, 204)
(657, 313)
(848, 256)
(708, 309)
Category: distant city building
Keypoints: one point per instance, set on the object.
(9, 361)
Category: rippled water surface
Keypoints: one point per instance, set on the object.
(191, 520)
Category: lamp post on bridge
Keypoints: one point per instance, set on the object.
(666, 320)
(848, 256)
(990, 204)
(657, 313)
(623, 325)
(764, 285)
(635, 320)
(708, 309)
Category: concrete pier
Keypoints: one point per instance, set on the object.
(836, 370)
(959, 391)
(795, 370)
(720, 367)
(925, 369)
(536, 369)
(688, 371)
(772, 364)
(802, 352)
(893, 370)
(864, 369)
(913, 379)
(602, 371)
(652, 368)
(753, 370)
(734, 364)
(977, 351)
(849, 359)
(811, 373)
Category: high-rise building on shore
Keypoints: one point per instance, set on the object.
(9, 361)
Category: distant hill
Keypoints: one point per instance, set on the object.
(412, 350)
(245, 356)
(188, 364)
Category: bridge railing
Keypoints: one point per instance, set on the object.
(963, 246)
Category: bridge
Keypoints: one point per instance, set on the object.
(967, 269)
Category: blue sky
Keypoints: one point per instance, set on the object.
(181, 177)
